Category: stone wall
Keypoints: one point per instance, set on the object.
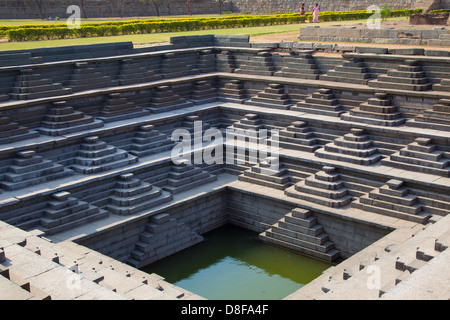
(23, 9)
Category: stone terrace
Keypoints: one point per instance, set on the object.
(356, 171)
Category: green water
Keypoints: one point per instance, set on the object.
(233, 264)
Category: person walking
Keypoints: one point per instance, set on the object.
(302, 9)
(316, 13)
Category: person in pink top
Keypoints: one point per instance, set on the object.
(302, 9)
(316, 13)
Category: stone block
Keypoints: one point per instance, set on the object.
(408, 51)
(372, 50)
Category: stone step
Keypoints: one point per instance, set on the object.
(311, 74)
(393, 79)
(266, 181)
(343, 78)
(359, 116)
(99, 156)
(44, 167)
(422, 217)
(415, 167)
(189, 179)
(157, 197)
(320, 239)
(133, 196)
(399, 157)
(270, 104)
(52, 219)
(120, 159)
(405, 200)
(79, 221)
(306, 226)
(38, 95)
(322, 200)
(53, 214)
(337, 186)
(382, 201)
(54, 173)
(399, 86)
(328, 256)
(369, 107)
(291, 237)
(188, 185)
(47, 86)
(334, 111)
(361, 150)
(365, 161)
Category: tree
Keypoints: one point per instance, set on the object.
(220, 5)
(83, 8)
(385, 12)
(189, 6)
(157, 4)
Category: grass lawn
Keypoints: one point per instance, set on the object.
(140, 39)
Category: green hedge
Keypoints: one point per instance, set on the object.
(439, 10)
(113, 28)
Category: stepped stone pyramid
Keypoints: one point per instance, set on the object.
(298, 136)
(206, 61)
(95, 156)
(377, 111)
(149, 141)
(260, 65)
(135, 71)
(119, 108)
(299, 231)
(30, 85)
(186, 176)
(351, 71)
(321, 102)
(300, 64)
(174, 66)
(393, 199)
(65, 212)
(233, 91)
(408, 76)
(273, 96)
(87, 78)
(355, 147)
(202, 92)
(30, 169)
(263, 174)
(420, 156)
(163, 236)
(225, 61)
(189, 124)
(12, 132)
(132, 195)
(250, 123)
(61, 120)
(324, 188)
(164, 99)
(436, 118)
